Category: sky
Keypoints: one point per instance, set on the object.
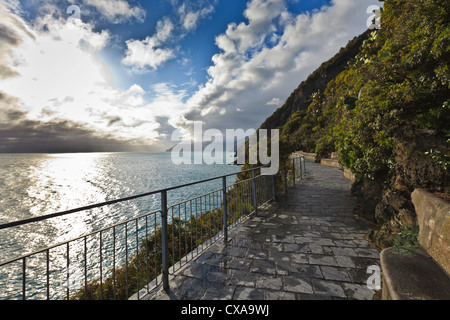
(117, 75)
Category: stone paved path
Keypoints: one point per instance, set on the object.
(304, 246)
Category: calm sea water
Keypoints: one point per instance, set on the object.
(37, 184)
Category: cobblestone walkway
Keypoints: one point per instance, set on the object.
(307, 245)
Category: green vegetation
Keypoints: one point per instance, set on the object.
(407, 237)
(399, 79)
(183, 237)
(126, 280)
(386, 112)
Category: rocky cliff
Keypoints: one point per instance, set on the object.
(382, 103)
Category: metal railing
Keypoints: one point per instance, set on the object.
(133, 257)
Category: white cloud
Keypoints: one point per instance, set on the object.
(58, 74)
(261, 15)
(117, 11)
(274, 102)
(150, 53)
(153, 51)
(12, 30)
(136, 89)
(270, 54)
(189, 18)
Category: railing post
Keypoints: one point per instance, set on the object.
(165, 241)
(255, 200)
(300, 165)
(293, 170)
(304, 164)
(225, 204)
(285, 180)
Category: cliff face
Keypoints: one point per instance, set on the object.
(382, 103)
(388, 201)
(300, 98)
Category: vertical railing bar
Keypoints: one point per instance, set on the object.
(101, 265)
(213, 227)
(304, 164)
(244, 197)
(249, 195)
(213, 224)
(219, 205)
(126, 259)
(232, 208)
(190, 209)
(185, 233)
(217, 210)
(293, 171)
(208, 221)
(155, 251)
(68, 271)
(262, 189)
(240, 199)
(300, 166)
(114, 262)
(179, 234)
(201, 222)
(196, 225)
(255, 203)
(173, 242)
(137, 257)
(217, 226)
(258, 191)
(234, 191)
(224, 209)
(205, 221)
(285, 180)
(146, 253)
(24, 278)
(85, 266)
(235, 204)
(237, 190)
(165, 262)
(48, 273)
(259, 187)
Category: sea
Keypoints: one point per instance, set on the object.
(33, 185)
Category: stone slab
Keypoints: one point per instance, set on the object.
(410, 274)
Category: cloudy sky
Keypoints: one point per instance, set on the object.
(117, 75)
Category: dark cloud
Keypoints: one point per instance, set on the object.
(112, 120)
(20, 134)
(61, 136)
(8, 36)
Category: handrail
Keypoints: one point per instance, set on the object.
(102, 204)
(253, 193)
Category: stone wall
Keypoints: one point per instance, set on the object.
(307, 155)
(349, 174)
(433, 218)
(331, 163)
